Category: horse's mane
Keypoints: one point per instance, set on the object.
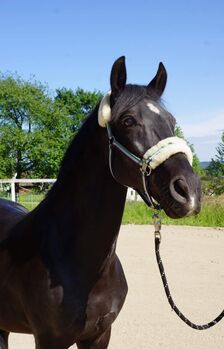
(74, 151)
(83, 135)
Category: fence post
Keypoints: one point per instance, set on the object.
(13, 188)
(13, 191)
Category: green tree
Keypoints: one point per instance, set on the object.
(78, 104)
(33, 130)
(196, 163)
(220, 150)
(216, 170)
(216, 166)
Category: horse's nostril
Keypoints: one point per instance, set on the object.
(181, 187)
(179, 190)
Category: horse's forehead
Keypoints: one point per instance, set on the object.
(146, 105)
(151, 108)
(148, 109)
(154, 108)
(153, 113)
(157, 109)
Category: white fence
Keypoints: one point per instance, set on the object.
(23, 181)
(131, 194)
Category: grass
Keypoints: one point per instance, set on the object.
(211, 215)
(30, 201)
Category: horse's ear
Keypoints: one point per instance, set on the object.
(158, 83)
(118, 77)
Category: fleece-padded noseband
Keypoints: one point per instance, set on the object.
(165, 148)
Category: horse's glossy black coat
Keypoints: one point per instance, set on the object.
(60, 278)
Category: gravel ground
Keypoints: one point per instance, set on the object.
(194, 260)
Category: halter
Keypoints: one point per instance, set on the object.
(152, 158)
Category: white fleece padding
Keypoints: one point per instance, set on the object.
(104, 112)
(164, 149)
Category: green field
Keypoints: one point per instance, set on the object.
(30, 201)
(211, 215)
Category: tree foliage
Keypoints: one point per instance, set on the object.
(19, 105)
(216, 169)
(78, 104)
(220, 150)
(35, 128)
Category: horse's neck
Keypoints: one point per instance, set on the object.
(85, 182)
(86, 202)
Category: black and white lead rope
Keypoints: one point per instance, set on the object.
(157, 225)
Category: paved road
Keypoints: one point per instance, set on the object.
(194, 261)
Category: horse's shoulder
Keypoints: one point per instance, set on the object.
(10, 214)
(12, 206)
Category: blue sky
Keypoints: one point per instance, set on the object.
(74, 43)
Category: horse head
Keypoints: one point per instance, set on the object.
(144, 152)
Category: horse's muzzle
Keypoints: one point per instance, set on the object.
(187, 197)
(177, 188)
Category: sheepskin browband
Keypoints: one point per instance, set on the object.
(104, 112)
(157, 154)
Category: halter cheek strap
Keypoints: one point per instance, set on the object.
(114, 143)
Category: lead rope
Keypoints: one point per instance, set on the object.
(157, 234)
(146, 171)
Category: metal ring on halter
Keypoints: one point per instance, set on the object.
(146, 168)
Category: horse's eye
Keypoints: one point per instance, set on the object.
(128, 121)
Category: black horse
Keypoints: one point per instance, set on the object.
(60, 278)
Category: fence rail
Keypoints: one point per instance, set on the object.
(131, 194)
(13, 181)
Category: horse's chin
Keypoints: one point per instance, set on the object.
(180, 211)
(172, 212)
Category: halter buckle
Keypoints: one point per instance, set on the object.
(146, 168)
(157, 235)
(157, 225)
